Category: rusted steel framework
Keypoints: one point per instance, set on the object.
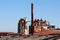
(39, 27)
(21, 23)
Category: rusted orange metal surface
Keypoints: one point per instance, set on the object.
(48, 32)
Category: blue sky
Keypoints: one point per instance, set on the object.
(12, 10)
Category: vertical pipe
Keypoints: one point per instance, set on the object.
(32, 27)
(31, 14)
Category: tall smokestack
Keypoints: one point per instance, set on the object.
(32, 14)
(31, 28)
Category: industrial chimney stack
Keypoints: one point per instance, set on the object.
(31, 28)
(32, 14)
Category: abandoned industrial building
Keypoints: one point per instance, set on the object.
(38, 27)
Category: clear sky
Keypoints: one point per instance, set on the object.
(12, 10)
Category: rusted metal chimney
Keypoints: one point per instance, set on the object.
(31, 28)
(32, 14)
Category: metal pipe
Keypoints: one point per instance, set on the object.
(32, 14)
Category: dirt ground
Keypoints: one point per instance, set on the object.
(29, 38)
